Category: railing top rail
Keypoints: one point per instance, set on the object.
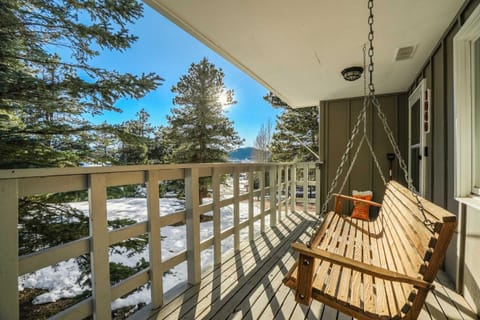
(48, 172)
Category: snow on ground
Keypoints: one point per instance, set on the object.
(61, 280)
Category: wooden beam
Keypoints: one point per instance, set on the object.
(262, 199)
(236, 209)
(318, 185)
(154, 239)
(217, 222)
(101, 292)
(44, 258)
(359, 266)
(305, 188)
(192, 200)
(293, 187)
(371, 203)
(273, 191)
(251, 230)
(130, 284)
(9, 308)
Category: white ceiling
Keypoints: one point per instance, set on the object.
(297, 49)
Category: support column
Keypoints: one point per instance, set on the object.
(101, 291)
(9, 308)
(192, 199)
(154, 239)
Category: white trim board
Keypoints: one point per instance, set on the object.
(463, 110)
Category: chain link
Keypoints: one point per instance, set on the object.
(364, 69)
(371, 36)
(371, 99)
(427, 222)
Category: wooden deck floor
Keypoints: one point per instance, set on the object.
(249, 286)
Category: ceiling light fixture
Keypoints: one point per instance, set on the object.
(352, 73)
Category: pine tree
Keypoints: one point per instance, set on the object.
(138, 138)
(43, 97)
(159, 149)
(198, 127)
(296, 130)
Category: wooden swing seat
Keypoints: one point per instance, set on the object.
(379, 269)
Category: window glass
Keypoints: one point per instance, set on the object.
(416, 123)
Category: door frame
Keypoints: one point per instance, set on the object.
(420, 94)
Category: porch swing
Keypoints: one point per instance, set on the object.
(377, 269)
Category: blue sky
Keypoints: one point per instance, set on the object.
(167, 50)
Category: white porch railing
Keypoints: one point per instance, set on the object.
(15, 184)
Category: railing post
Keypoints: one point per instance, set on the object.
(236, 209)
(293, 187)
(305, 187)
(101, 291)
(262, 199)
(279, 192)
(250, 205)
(285, 188)
(154, 241)
(318, 176)
(192, 200)
(217, 241)
(9, 308)
(273, 191)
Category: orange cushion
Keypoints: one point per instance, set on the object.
(360, 209)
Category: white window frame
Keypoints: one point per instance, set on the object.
(464, 103)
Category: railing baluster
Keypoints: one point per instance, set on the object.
(305, 187)
(154, 239)
(262, 199)
(282, 180)
(293, 187)
(279, 192)
(97, 195)
(192, 200)
(250, 205)
(317, 189)
(217, 223)
(286, 188)
(236, 209)
(9, 308)
(273, 194)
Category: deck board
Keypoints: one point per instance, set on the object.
(249, 286)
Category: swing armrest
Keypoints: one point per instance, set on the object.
(360, 266)
(372, 203)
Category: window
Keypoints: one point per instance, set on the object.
(467, 106)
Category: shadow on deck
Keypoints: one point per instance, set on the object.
(248, 285)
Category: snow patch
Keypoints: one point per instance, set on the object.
(62, 279)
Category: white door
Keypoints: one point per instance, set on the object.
(418, 128)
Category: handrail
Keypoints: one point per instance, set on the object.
(15, 184)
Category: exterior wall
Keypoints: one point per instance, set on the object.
(438, 71)
(337, 120)
(471, 272)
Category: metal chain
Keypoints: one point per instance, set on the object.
(427, 222)
(379, 169)
(371, 36)
(364, 69)
(339, 171)
(350, 168)
(370, 99)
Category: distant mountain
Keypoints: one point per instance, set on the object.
(241, 154)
